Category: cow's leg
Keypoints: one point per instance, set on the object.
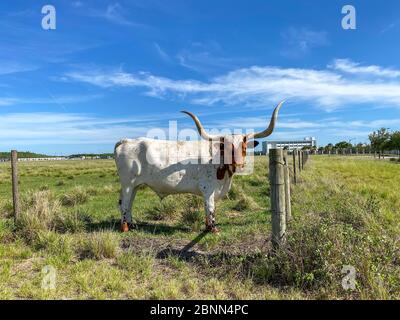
(210, 211)
(127, 196)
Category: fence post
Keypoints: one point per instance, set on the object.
(299, 154)
(294, 167)
(287, 187)
(302, 160)
(14, 170)
(278, 205)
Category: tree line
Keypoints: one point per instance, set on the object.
(25, 154)
(383, 139)
(380, 141)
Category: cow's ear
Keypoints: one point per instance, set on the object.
(252, 144)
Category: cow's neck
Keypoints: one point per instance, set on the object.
(223, 167)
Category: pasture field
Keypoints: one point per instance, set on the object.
(346, 211)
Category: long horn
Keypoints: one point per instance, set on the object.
(271, 126)
(199, 126)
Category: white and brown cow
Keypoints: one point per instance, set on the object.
(203, 168)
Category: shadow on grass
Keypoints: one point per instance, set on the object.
(188, 254)
(185, 253)
(109, 224)
(151, 228)
(159, 228)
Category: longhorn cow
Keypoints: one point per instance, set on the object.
(203, 168)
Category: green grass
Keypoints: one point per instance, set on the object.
(345, 212)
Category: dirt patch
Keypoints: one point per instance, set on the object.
(191, 250)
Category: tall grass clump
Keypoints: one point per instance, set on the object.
(235, 192)
(71, 222)
(99, 245)
(109, 189)
(245, 202)
(60, 183)
(167, 209)
(192, 214)
(56, 245)
(6, 208)
(6, 231)
(76, 196)
(39, 211)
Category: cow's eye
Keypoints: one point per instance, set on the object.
(252, 144)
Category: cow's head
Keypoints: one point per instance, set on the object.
(233, 147)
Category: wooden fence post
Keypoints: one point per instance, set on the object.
(278, 205)
(299, 154)
(302, 160)
(294, 167)
(14, 170)
(287, 187)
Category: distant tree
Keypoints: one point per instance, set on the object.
(395, 141)
(25, 154)
(329, 147)
(343, 145)
(360, 147)
(380, 140)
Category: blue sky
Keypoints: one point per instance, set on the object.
(115, 69)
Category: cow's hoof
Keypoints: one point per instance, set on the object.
(212, 229)
(215, 230)
(132, 226)
(124, 227)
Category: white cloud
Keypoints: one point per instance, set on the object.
(262, 122)
(390, 26)
(163, 55)
(66, 128)
(77, 4)
(36, 130)
(114, 13)
(348, 66)
(10, 67)
(329, 130)
(10, 101)
(300, 41)
(258, 85)
(205, 57)
(295, 124)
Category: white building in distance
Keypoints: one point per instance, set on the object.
(289, 144)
